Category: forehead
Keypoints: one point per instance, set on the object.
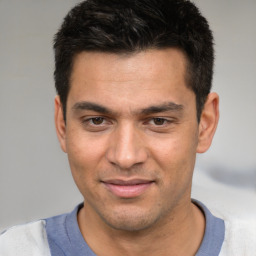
(130, 79)
(147, 65)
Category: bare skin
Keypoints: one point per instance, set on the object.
(131, 135)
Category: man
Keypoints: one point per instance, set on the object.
(133, 109)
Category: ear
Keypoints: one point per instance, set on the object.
(60, 123)
(208, 122)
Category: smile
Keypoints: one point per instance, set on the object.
(128, 189)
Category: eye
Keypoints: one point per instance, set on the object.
(97, 120)
(161, 124)
(159, 121)
(96, 123)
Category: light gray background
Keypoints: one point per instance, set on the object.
(35, 180)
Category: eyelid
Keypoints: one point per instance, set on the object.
(88, 120)
(166, 119)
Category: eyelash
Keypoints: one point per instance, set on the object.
(89, 123)
(90, 120)
(161, 119)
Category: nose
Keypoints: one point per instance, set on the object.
(126, 147)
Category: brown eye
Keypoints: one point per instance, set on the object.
(159, 121)
(97, 120)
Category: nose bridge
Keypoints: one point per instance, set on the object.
(126, 146)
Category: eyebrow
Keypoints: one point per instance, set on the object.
(167, 106)
(86, 105)
(164, 107)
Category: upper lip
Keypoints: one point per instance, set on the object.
(122, 182)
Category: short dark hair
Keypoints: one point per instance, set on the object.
(128, 26)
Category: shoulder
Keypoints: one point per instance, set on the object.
(25, 240)
(240, 237)
(240, 234)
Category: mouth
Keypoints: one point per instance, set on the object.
(128, 188)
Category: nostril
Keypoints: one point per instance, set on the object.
(125, 146)
(127, 161)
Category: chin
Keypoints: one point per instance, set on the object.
(131, 220)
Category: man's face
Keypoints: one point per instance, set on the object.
(131, 136)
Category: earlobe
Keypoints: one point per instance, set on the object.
(208, 122)
(60, 123)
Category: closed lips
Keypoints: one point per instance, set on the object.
(128, 189)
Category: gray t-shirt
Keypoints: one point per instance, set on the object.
(65, 238)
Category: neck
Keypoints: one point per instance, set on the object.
(180, 234)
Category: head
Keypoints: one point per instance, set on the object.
(133, 80)
(127, 27)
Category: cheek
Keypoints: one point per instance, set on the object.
(177, 165)
(83, 148)
(172, 151)
(176, 155)
(85, 155)
(83, 163)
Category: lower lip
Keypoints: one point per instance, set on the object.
(128, 191)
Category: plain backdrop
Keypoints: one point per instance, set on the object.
(35, 180)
